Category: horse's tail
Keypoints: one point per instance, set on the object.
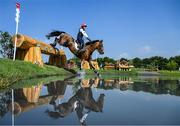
(54, 33)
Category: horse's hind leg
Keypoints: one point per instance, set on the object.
(92, 66)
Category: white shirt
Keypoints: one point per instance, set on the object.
(84, 32)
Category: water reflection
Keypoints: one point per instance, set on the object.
(56, 90)
(122, 83)
(151, 85)
(84, 100)
(26, 99)
(5, 100)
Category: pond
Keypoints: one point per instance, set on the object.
(142, 100)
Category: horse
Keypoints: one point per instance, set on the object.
(66, 40)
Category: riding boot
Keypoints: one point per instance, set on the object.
(82, 47)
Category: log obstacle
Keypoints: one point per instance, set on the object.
(85, 65)
(29, 49)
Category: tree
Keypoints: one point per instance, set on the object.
(146, 62)
(158, 62)
(109, 60)
(137, 62)
(100, 61)
(6, 46)
(176, 59)
(172, 65)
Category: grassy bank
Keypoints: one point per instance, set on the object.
(135, 72)
(169, 73)
(113, 72)
(13, 71)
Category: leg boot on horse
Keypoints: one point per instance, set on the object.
(54, 44)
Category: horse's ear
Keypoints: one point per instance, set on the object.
(101, 41)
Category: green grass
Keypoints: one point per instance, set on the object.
(169, 73)
(113, 72)
(13, 71)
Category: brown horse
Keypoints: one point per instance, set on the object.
(66, 40)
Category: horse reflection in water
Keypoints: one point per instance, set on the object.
(82, 103)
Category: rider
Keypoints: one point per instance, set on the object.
(81, 34)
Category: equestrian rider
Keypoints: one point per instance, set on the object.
(81, 35)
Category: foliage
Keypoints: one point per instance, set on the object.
(172, 65)
(5, 99)
(146, 62)
(151, 63)
(159, 62)
(6, 46)
(137, 62)
(176, 59)
(156, 62)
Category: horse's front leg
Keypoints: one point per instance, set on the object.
(82, 62)
(92, 66)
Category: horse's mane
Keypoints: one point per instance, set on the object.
(54, 33)
(92, 42)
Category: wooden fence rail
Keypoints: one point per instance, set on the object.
(29, 49)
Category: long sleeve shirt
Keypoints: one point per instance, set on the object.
(82, 33)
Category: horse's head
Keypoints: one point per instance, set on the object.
(100, 47)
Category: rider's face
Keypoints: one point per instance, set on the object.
(84, 28)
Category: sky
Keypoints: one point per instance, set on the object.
(129, 28)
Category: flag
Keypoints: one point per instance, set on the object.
(17, 21)
(17, 12)
(18, 6)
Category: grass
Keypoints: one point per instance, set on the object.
(133, 72)
(13, 71)
(113, 72)
(169, 73)
(25, 83)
